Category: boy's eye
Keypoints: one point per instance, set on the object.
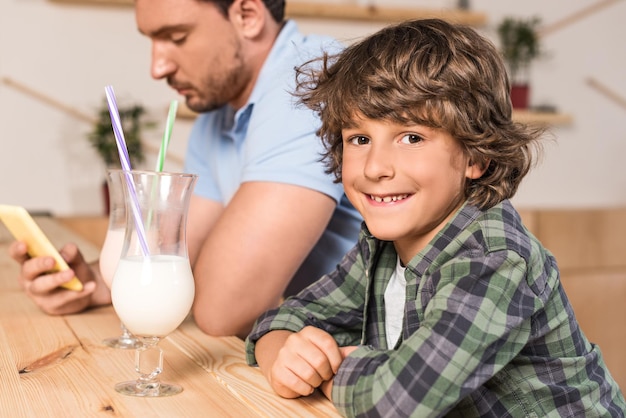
(359, 140)
(411, 139)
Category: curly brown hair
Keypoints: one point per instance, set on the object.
(432, 73)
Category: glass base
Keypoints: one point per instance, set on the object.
(150, 390)
(125, 343)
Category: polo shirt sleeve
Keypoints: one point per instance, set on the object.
(197, 162)
(282, 145)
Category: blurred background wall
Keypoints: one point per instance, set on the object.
(56, 58)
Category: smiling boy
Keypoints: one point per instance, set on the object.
(447, 305)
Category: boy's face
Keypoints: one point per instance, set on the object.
(406, 181)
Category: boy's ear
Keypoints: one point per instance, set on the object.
(248, 16)
(475, 170)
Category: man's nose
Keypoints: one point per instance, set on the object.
(162, 65)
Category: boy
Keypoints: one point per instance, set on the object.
(447, 305)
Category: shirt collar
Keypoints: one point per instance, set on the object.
(421, 261)
(273, 64)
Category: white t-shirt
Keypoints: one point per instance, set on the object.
(395, 295)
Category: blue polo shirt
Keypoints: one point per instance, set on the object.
(272, 139)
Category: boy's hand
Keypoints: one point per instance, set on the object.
(303, 361)
(327, 386)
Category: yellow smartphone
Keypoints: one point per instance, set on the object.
(24, 228)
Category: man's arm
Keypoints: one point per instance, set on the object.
(251, 251)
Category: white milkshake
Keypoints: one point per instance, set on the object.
(110, 254)
(153, 295)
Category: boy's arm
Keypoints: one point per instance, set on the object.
(266, 351)
(334, 304)
(327, 386)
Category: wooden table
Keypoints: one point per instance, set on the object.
(56, 366)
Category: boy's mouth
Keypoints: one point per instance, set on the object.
(388, 199)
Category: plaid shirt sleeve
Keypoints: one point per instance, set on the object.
(335, 303)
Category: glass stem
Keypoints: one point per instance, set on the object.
(149, 364)
(126, 337)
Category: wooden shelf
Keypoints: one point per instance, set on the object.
(375, 13)
(543, 118)
(97, 2)
(349, 11)
(525, 116)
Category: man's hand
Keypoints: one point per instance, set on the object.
(43, 287)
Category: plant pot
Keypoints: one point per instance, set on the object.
(105, 197)
(519, 96)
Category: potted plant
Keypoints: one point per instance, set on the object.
(103, 139)
(519, 46)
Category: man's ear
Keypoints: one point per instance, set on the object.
(475, 170)
(248, 16)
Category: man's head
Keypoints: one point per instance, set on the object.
(431, 73)
(210, 51)
(275, 7)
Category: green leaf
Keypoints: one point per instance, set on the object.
(103, 139)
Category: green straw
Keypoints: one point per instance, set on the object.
(171, 115)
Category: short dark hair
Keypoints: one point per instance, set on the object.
(428, 72)
(275, 7)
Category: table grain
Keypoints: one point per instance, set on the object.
(57, 366)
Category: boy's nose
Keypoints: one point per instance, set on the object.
(378, 164)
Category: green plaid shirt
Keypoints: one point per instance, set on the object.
(487, 331)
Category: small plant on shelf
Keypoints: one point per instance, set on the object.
(103, 140)
(519, 45)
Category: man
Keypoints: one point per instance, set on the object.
(265, 219)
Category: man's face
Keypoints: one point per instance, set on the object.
(196, 49)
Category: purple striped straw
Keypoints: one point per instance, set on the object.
(125, 160)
